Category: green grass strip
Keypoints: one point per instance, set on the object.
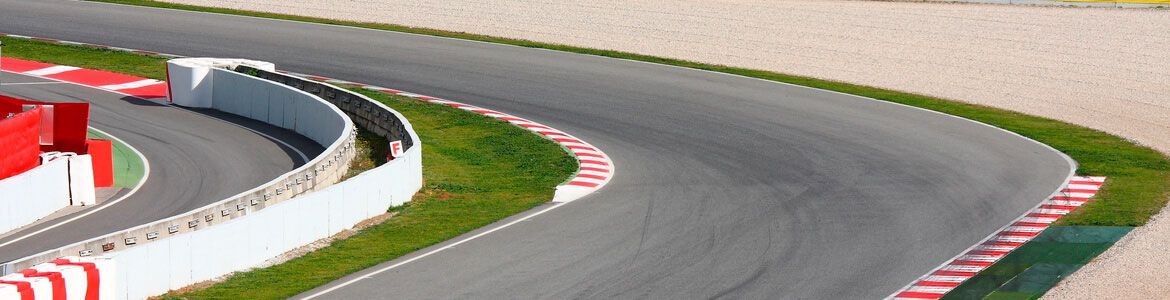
(128, 166)
(86, 57)
(478, 170)
(1139, 176)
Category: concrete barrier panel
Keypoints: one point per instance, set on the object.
(81, 184)
(34, 194)
(42, 288)
(257, 225)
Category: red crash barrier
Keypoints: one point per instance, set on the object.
(70, 123)
(19, 141)
(102, 153)
(68, 278)
(70, 129)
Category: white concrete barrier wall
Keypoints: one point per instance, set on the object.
(275, 104)
(81, 189)
(69, 278)
(34, 194)
(243, 243)
(248, 234)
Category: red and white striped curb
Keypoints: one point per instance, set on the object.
(947, 277)
(100, 46)
(125, 84)
(596, 168)
(62, 279)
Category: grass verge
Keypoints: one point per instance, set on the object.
(86, 57)
(1139, 176)
(128, 166)
(478, 170)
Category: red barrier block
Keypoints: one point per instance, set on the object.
(102, 152)
(93, 277)
(23, 288)
(54, 277)
(20, 143)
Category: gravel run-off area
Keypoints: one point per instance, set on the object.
(1107, 69)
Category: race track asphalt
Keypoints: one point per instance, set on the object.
(196, 157)
(725, 186)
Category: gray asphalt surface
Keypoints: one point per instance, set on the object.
(196, 158)
(725, 186)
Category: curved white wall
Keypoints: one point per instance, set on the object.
(293, 210)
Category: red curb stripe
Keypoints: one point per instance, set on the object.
(513, 119)
(1054, 206)
(593, 162)
(533, 125)
(579, 147)
(1067, 198)
(1004, 244)
(591, 176)
(588, 154)
(486, 111)
(1030, 224)
(1078, 191)
(317, 78)
(971, 263)
(568, 140)
(148, 92)
(390, 91)
(94, 77)
(21, 66)
(23, 288)
(92, 280)
(594, 169)
(937, 283)
(455, 105)
(954, 273)
(548, 133)
(426, 98)
(1087, 182)
(55, 279)
(988, 252)
(583, 183)
(919, 295)
(45, 40)
(1018, 234)
(1040, 215)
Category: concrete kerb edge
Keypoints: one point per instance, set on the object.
(565, 192)
(568, 191)
(572, 195)
(345, 139)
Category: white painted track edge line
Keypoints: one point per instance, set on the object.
(359, 275)
(145, 176)
(1072, 163)
(992, 236)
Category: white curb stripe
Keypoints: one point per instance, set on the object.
(999, 245)
(131, 85)
(52, 70)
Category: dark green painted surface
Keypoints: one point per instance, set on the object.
(1031, 270)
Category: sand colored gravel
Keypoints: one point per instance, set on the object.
(1108, 69)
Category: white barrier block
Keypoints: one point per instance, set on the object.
(9, 291)
(190, 83)
(42, 287)
(34, 194)
(75, 278)
(81, 180)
